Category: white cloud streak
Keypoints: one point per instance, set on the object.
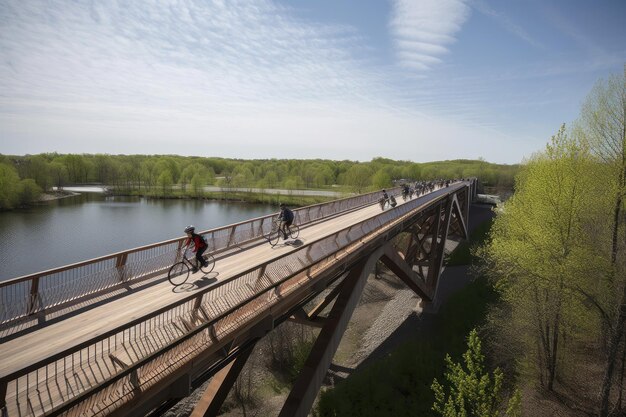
(504, 21)
(423, 30)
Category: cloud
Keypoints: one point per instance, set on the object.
(422, 30)
(194, 55)
(504, 21)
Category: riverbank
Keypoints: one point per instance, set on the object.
(56, 195)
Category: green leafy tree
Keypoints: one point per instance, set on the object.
(9, 187)
(270, 180)
(471, 390)
(603, 121)
(58, 171)
(197, 184)
(381, 179)
(28, 191)
(39, 170)
(358, 177)
(541, 256)
(165, 182)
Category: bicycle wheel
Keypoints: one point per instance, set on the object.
(294, 231)
(178, 273)
(273, 237)
(210, 264)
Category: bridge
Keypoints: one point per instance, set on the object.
(111, 336)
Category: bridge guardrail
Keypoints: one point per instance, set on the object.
(34, 293)
(221, 306)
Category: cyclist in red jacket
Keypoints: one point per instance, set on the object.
(199, 246)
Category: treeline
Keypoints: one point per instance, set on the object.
(170, 174)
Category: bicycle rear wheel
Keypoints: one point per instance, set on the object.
(294, 231)
(178, 273)
(273, 237)
(210, 264)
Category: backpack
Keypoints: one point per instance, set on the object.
(203, 239)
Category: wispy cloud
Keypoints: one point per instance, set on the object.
(422, 30)
(195, 55)
(506, 22)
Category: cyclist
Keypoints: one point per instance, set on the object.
(405, 191)
(286, 219)
(199, 246)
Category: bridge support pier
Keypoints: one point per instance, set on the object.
(306, 387)
(221, 383)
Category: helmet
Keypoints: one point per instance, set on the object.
(383, 190)
(189, 229)
(283, 205)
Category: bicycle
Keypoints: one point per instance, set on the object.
(179, 272)
(275, 233)
(383, 201)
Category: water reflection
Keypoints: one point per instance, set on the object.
(86, 226)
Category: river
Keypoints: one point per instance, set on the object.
(90, 225)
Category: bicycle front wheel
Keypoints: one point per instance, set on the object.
(178, 273)
(210, 264)
(294, 231)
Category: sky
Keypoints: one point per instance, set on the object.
(417, 80)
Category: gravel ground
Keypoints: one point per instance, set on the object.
(387, 314)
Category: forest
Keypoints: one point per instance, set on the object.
(24, 178)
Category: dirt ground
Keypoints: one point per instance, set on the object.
(388, 313)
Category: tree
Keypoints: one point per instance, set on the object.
(540, 252)
(197, 184)
(77, 168)
(28, 191)
(603, 120)
(58, 171)
(472, 391)
(358, 177)
(39, 170)
(381, 179)
(165, 181)
(9, 187)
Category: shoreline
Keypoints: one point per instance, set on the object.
(55, 195)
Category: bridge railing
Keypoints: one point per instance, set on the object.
(55, 288)
(221, 309)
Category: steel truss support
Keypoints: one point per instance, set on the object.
(422, 260)
(394, 260)
(306, 387)
(221, 383)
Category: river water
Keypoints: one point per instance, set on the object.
(90, 225)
